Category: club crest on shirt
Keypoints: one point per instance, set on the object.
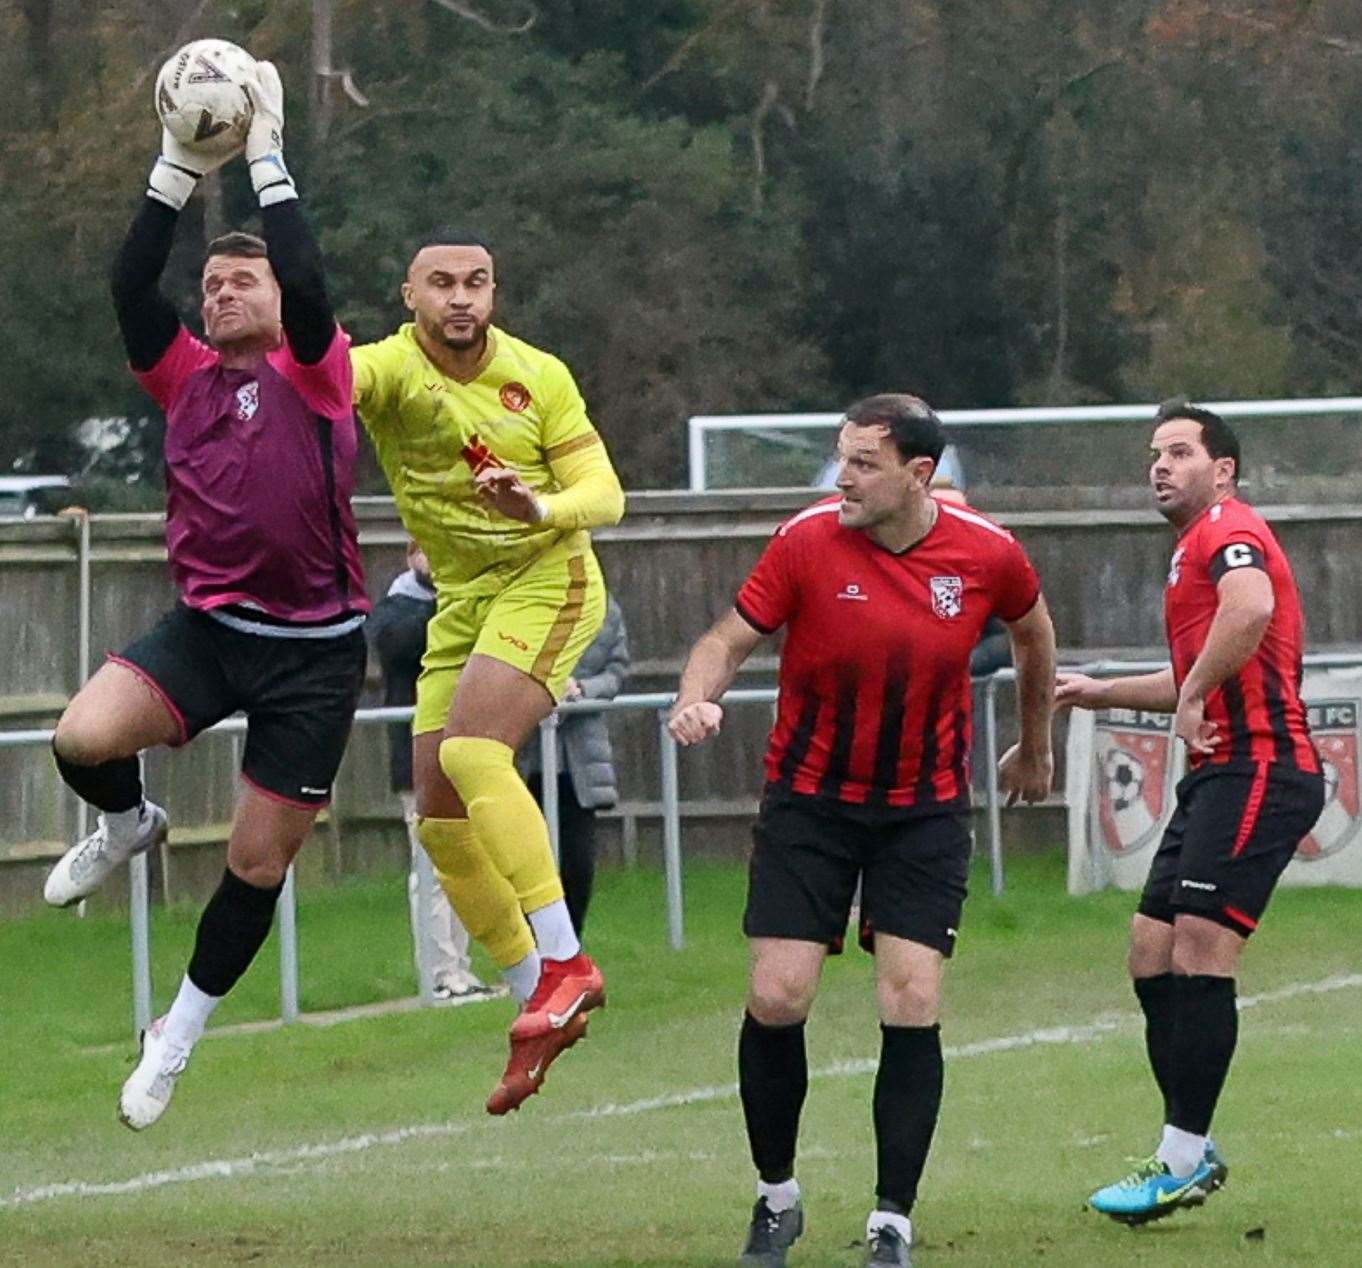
(948, 596)
(247, 400)
(1175, 565)
(515, 397)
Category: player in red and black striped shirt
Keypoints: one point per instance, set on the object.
(882, 592)
(1254, 790)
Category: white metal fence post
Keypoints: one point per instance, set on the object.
(288, 949)
(82, 649)
(995, 815)
(671, 832)
(548, 778)
(139, 904)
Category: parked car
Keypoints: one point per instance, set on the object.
(27, 496)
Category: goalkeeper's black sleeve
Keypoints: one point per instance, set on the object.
(296, 259)
(146, 318)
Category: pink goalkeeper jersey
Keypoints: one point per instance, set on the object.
(259, 472)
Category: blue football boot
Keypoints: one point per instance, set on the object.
(1151, 1192)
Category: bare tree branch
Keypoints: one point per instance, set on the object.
(1292, 28)
(818, 27)
(770, 94)
(389, 112)
(465, 10)
(687, 46)
(180, 38)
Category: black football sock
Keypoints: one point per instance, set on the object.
(1204, 1035)
(907, 1102)
(773, 1077)
(108, 786)
(232, 929)
(1156, 998)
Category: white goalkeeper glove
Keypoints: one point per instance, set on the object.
(178, 170)
(265, 139)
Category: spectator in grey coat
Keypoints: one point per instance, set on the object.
(586, 765)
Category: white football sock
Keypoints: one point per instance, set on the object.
(522, 977)
(122, 825)
(553, 931)
(779, 1197)
(1181, 1151)
(887, 1219)
(189, 1013)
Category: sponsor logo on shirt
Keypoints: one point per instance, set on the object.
(853, 591)
(948, 596)
(515, 397)
(247, 400)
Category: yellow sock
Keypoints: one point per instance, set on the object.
(482, 898)
(506, 818)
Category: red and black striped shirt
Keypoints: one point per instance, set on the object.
(1258, 710)
(875, 701)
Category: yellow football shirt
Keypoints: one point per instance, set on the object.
(432, 433)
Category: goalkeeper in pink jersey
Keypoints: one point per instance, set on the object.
(260, 448)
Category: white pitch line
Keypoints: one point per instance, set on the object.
(230, 1168)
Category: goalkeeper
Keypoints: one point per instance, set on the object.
(260, 447)
(498, 475)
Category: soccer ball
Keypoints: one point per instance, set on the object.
(1124, 773)
(200, 98)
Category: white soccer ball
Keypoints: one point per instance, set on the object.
(1124, 773)
(200, 98)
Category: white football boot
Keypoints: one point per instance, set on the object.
(147, 1092)
(85, 867)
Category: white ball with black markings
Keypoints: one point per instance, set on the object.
(1124, 773)
(201, 99)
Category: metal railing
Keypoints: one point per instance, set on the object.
(700, 425)
(660, 703)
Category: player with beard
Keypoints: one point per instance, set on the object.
(259, 449)
(499, 475)
(882, 593)
(1255, 788)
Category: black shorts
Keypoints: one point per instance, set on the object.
(1233, 831)
(808, 857)
(298, 694)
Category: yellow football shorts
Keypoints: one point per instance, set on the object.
(541, 623)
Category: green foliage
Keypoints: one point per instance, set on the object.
(711, 205)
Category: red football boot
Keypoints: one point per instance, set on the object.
(530, 1060)
(567, 989)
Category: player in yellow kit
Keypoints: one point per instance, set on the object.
(499, 475)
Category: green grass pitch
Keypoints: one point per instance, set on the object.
(366, 1142)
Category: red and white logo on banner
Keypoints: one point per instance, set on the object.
(1334, 726)
(1131, 749)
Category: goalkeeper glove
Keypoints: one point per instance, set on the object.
(265, 138)
(178, 170)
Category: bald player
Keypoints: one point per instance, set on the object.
(499, 475)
